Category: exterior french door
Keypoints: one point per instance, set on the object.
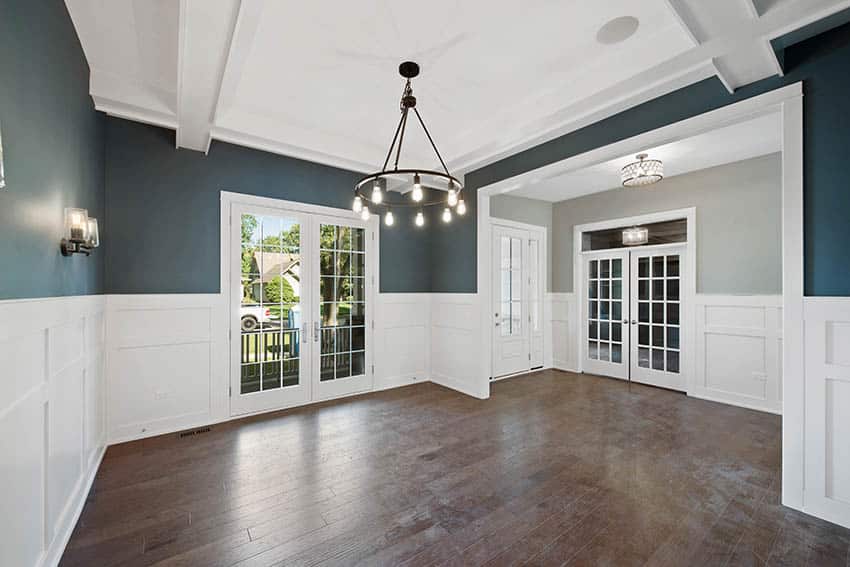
(632, 311)
(339, 309)
(300, 308)
(606, 307)
(517, 302)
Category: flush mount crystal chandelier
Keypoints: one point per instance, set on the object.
(642, 172)
(372, 191)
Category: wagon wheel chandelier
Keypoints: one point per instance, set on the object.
(376, 184)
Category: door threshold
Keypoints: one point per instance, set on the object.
(515, 374)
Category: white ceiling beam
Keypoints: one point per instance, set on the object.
(764, 44)
(206, 28)
(244, 32)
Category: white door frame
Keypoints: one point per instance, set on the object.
(228, 199)
(688, 312)
(539, 232)
(788, 101)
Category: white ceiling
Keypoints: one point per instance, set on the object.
(319, 80)
(757, 137)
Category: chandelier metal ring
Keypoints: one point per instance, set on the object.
(358, 189)
(383, 180)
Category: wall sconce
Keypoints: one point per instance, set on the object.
(81, 234)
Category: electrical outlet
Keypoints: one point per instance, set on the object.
(160, 395)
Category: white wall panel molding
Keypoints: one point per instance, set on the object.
(455, 343)
(52, 421)
(402, 339)
(739, 351)
(167, 363)
(563, 312)
(827, 427)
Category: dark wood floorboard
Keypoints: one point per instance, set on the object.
(554, 469)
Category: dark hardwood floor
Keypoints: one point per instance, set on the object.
(555, 468)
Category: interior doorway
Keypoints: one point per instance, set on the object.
(636, 302)
(633, 315)
(519, 268)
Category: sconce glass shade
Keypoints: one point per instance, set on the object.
(76, 225)
(635, 236)
(94, 236)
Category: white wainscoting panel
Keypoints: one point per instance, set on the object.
(402, 339)
(167, 365)
(563, 311)
(739, 351)
(52, 421)
(456, 343)
(827, 429)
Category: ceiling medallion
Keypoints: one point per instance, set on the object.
(642, 172)
(372, 190)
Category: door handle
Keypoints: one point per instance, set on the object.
(315, 331)
(634, 322)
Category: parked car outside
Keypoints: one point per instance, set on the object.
(253, 317)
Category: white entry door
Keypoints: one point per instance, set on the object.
(606, 313)
(656, 335)
(300, 308)
(517, 300)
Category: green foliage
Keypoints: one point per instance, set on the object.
(278, 290)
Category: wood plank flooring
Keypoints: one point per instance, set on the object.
(554, 469)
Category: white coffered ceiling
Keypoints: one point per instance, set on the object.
(318, 80)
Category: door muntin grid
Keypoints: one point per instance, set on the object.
(605, 310)
(342, 301)
(510, 294)
(659, 312)
(270, 304)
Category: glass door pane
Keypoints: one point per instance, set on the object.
(266, 290)
(657, 359)
(270, 312)
(343, 308)
(606, 314)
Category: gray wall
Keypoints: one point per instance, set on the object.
(53, 152)
(530, 211)
(739, 231)
(163, 211)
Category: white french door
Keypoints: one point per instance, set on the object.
(656, 323)
(339, 309)
(518, 260)
(632, 311)
(300, 308)
(606, 309)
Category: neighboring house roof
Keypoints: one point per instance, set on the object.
(276, 263)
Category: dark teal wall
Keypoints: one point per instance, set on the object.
(163, 211)
(53, 152)
(822, 63)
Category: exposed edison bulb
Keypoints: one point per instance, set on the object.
(417, 188)
(377, 195)
(358, 204)
(365, 214)
(461, 207)
(447, 215)
(420, 219)
(452, 197)
(388, 218)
